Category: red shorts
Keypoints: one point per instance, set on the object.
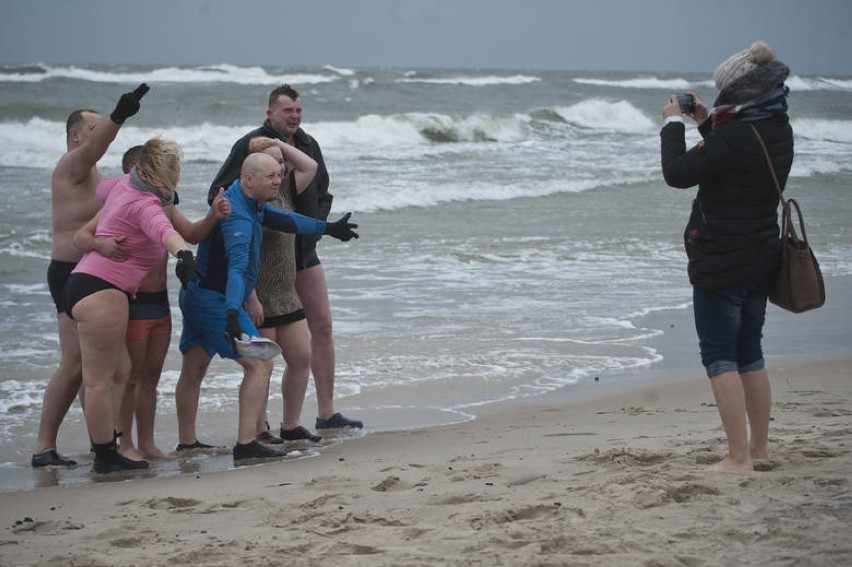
(141, 329)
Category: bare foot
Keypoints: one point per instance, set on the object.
(759, 455)
(131, 453)
(153, 454)
(729, 465)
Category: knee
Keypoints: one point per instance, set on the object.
(298, 360)
(321, 326)
(192, 372)
(256, 368)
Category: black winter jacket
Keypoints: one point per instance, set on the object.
(314, 201)
(732, 236)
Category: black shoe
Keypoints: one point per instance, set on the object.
(256, 450)
(192, 446)
(268, 438)
(51, 458)
(108, 459)
(338, 421)
(299, 434)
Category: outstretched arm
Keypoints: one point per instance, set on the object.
(286, 221)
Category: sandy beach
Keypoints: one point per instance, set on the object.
(620, 479)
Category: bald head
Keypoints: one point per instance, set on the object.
(260, 176)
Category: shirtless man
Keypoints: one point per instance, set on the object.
(73, 184)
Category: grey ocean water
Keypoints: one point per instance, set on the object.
(514, 226)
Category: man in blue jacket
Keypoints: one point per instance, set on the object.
(214, 318)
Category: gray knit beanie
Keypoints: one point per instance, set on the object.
(741, 63)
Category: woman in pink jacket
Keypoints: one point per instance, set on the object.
(99, 288)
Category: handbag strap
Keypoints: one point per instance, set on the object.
(768, 162)
(786, 215)
(791, 203)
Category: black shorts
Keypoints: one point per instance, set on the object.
(82, 285)
(57, 275)
(305, 261)
(271, 322)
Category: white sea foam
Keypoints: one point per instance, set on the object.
(429, 194)
(821, 129)
(605, 115)
(223, 73)
(340, 71)
(799, 83)
(417, 129)
(472, 81)
(639, 83)
(795, 82)
(844, 84)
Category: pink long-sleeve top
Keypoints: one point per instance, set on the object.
(139, 217)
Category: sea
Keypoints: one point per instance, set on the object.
(515, 229)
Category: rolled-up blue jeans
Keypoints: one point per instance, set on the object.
(730, 326)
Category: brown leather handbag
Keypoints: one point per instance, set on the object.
(800, 286)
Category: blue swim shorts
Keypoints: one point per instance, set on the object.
(203, 313)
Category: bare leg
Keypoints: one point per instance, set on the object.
(136, 350)
(758, 405)
(188, 389)
(102, 323)
(295, 342)
(313, 291)
(253, 389)
(146, 394)
(730, 400)
(263, 415)
(119, 388)
(62, 387)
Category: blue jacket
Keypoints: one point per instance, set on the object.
(229, 257)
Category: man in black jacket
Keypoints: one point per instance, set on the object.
(283, 122)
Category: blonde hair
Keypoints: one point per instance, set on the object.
(261, 144)
(159, 164)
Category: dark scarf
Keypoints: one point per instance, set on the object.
(756, 95)
(140, 185)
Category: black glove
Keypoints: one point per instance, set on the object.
(128, 104)
(342, 229)
(186, 266)
(232, 327)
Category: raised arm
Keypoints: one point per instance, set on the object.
(304, 166)
(79, 161)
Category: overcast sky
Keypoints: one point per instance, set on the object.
(812, 36)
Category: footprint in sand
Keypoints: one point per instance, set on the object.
(46, 526)
(836, 412)
(171, 503)
(626, 457)
(511, 515)
(390, 483)
(457, 499)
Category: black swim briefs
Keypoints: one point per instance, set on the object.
(82, 285)
(57, 275)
